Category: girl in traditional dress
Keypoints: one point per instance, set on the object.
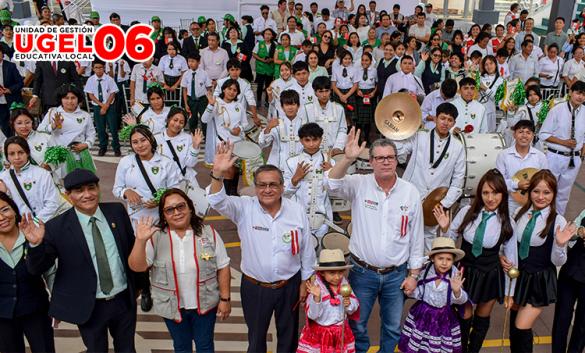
(484, 226)
(432, 324)
(542, 236)
(327, 328)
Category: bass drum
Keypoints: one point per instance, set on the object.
(199, 198)
(335, 240)
(481, 151)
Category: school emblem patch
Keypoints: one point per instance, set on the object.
(155, 170)
(237, 110)
(286, 238)
(27, 186)
(446, 155)
(180, 147)
(38, 148)
(79, 120)
(310, 98)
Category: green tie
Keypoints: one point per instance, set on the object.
(479, 233)
(525, 242)
(104, 273)
(100, 91)
(193, 95)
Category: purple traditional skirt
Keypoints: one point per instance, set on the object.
(430, 329)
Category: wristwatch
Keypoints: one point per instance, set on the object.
(214, 177)
(228, 299)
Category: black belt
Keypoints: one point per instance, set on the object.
(562, 153)
(271, 285)
(110, 298)
(380, 270)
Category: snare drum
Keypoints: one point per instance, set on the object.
(198, 196)
(251, 158)
(481, 151)
(252, 131)
(335, 240)
(352, 168)
(363, 161)
(340, 205)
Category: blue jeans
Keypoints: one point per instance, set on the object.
(367, 286)
(193, 327)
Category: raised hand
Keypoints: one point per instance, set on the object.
(32, 232)
(457, 282)
(196, 138)
(224, 159)
(145, 228)
(563, 236)
(425, 55)
(210, 98)
(314, 290)
(272, 123)
(302, 170)
(129, 119)
(442, 216)
(57, 121)
(353, 148)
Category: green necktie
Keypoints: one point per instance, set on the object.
(479, 233)
(104, 273)
(193, 95)
(525, 242)
(100, 91)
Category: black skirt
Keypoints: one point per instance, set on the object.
(483, 286)
(537, 289)
(365, 112)
(349, 107)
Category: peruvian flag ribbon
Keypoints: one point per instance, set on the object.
(403, 225)
(294, 242)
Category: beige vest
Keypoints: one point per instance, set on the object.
(165, 294)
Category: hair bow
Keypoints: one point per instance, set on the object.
(17, 105)
(155, 84)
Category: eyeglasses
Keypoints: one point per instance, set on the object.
(436, 55)
(169, 211)
(271, 186)
(381, 159)
(326, 37)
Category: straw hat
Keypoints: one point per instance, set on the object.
(331, 259)
(446, 245)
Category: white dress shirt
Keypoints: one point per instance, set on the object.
(558, 124)
(260, 24)
(296, 39)
(341, 81)
(572, 67)
(484, 51)
(332, 121)
(429, 106)
(400, 80)
(552, 68)
(523, 68)
(449, 173)
(139, 72)
(179, 65)
(120, 67)
(387, 229)
(266, 241)
(372, 78)
(108, 87)
(202, 83)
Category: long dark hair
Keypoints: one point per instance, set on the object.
(16, 140)
(548, 177)
(4, 197)
(196, 222)
(496, 181)
(144, 131)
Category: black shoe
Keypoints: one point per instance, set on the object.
(102, 152)
(337, 218)
(117, 153)
(145, 302)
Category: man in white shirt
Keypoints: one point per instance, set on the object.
(444, 94)
(263, 22)
(437, 160)
(528, 27)
(523, 65)
(512, 14)
(277, 251)
(325, 18)
(564, 132)
(430, 16)
(471, 116)
(420, 30)
(214, 58)
(404, 80)
(519, 156)
(296, 36)
(387, 242)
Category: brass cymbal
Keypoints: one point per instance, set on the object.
(524, 174)
(430, 202)
(398, 116)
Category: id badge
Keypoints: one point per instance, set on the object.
(367, 100)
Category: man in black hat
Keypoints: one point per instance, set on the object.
(94, 287)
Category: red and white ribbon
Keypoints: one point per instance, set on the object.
(294, 243)
(403, 225)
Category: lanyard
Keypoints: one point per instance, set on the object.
(436, 163)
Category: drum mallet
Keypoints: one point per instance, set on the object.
(345, 292)
(513, 273)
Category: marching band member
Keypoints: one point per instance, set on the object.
(471, 116)
(302, 85)
(445, 93)
(282, 133)
(437, 160)
(490, 81)
(155, 115)
(246, 95)
(226, 120)
(529, 111)
(180, 146)
(541, 235)
(22, 122)
(303, 178)
(564, 138)
(484, 226)
(519, 156)
(70, 126)
(404, 79)
(343, 84)
(329, 115)
(31, 187)
(279, 85)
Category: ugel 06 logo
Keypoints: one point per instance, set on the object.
(76, 43)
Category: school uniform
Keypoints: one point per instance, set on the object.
(385, 69)
(559, 123)
(400, 81)
(331, 118)
(120, 71)
(344, 78)
(284, 140)
(102, 88)
(552, 68)
(430, 74)
(162, 172)
(245, 98)
(35, 193)
(172, 68)
(38, 142)
(434, 163)
(366, 80)
(509, 162)
(310, 192)
(306, 92)
(278, 86)
(156, 122)
(470, 113)
(196, 83)
(429, 107)
(487, 98)
(525, 112)
(180, 149)
(142, 76)
(221, 118)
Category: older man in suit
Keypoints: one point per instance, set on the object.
(50, 75)
(10, 91)
(94, 287)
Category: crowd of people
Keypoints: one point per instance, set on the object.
(299, 87)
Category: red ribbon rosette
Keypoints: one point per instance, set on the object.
(468, 129)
